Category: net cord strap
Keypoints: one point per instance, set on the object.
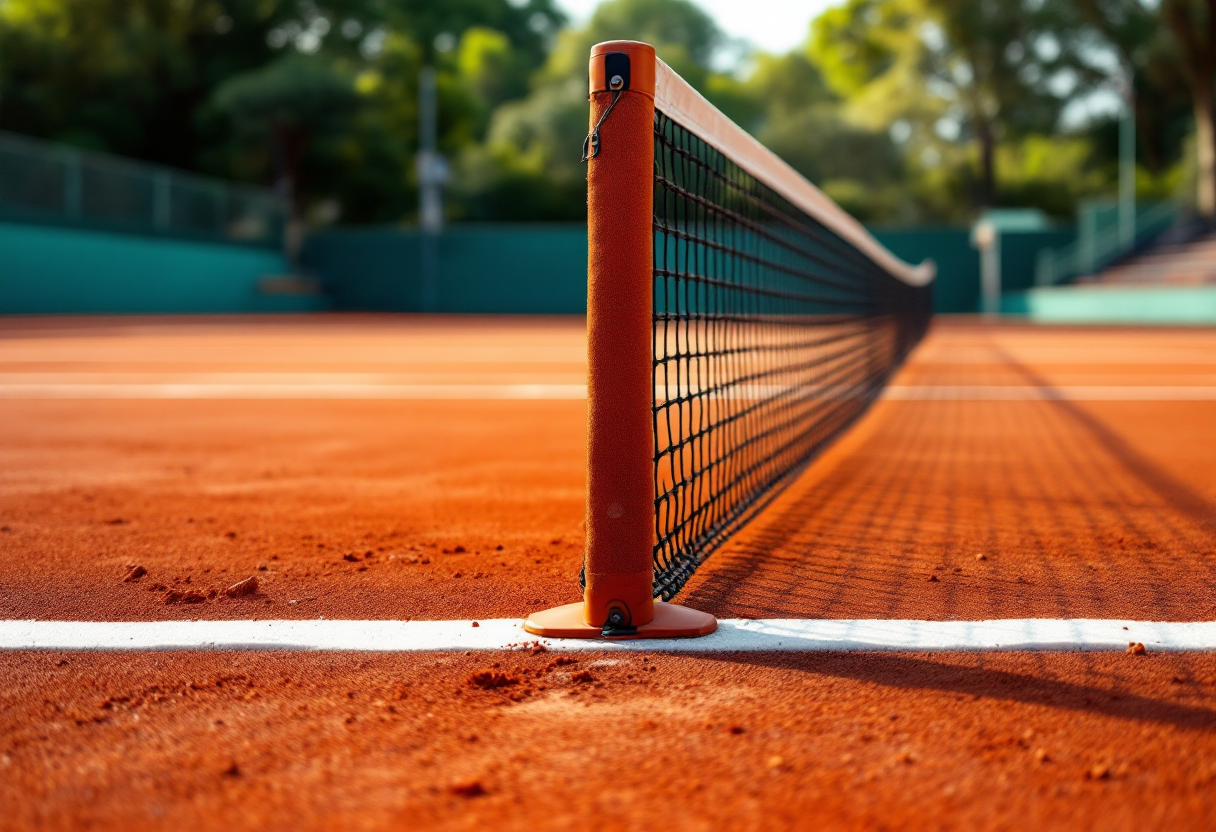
(591, 144)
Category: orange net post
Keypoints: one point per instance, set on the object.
(618, 599)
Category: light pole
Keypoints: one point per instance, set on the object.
(987, 239)
(1127, 163)
(432, 170)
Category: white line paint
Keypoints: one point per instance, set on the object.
(423, 376)
(553, 392)
(1073, 393)
(203, 390)
(733, 635)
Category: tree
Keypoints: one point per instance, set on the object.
(899, 109)
(1169, 50)
(489, 66)
(785, 102)
(1193, 25)
(289, 103)
(528, 168)
(483, 52)
(951, 70)
(141, 78)
(683, 34)
(125, 76)
(529, 25)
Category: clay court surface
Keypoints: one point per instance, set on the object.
(430, 468)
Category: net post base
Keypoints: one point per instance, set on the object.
(670, 621)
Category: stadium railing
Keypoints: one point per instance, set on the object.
(1101, 242)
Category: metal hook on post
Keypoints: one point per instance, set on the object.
(591, 144)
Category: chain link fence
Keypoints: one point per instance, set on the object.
(49, 183)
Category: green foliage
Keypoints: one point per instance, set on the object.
(857, 42)
(125, 76)
(681, 33)
(1050, 172)
(493, 71)
(295, 92)
(528, 167)
(901, 110)
(296, 103)
(947, 69)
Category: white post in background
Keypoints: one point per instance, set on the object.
(432, 172)
(988, 240)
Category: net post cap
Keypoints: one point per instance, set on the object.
(670, 621)
(641, 65)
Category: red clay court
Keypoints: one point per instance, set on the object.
(432, 469)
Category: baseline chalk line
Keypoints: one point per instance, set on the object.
(297, 391)
(308, 390)
(1072, 393)
(733, 635)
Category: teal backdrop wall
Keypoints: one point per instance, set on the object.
(55, 270)
(543, 268)
(957, 286)
(521, 269)
(1020, 249)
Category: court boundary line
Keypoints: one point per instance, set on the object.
(137, 391)
(781, 635)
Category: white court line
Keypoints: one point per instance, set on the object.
(733, 635)
(198, 390)
(1074, 393)
(497, 392)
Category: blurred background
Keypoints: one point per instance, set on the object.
(423, 155)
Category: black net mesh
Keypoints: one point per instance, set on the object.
(771, 335)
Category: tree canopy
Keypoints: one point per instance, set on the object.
(902, 110)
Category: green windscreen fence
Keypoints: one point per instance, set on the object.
(542, 269)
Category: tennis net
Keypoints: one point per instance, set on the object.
(772, 333)
(738, 322)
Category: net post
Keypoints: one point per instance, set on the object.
(618, 567)
(620, 466)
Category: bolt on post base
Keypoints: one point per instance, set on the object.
(670, 621)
